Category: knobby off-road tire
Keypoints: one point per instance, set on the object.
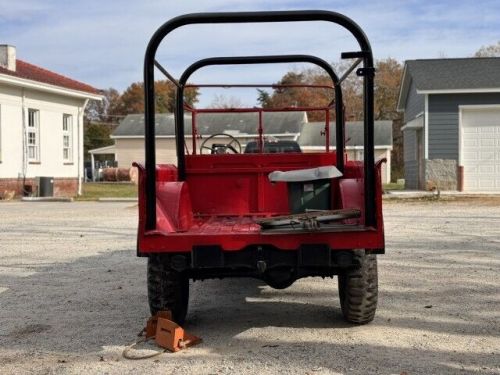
(358, 290)
(167, 288)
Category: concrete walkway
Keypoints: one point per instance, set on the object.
(412, 194)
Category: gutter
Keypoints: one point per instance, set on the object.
(24, 167)
(460, 91)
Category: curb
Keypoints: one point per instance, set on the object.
(117, 199)
(47, 199)
(412, 195)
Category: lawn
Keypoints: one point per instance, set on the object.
(96, 190)
(393, 186)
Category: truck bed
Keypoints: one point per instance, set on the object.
(225, 225)
(224, 196)
(231, 224)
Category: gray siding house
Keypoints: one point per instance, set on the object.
(451, 124)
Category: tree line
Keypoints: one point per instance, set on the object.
(102, 117)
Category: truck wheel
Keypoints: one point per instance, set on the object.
(167, 289)
(358, 290)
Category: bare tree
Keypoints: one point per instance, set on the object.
(387, 83)
(101, 110)
(224, 102)
(493, 50)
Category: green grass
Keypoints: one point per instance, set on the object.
(96, 190)
(393, 186)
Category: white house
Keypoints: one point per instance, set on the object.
(129, 135)
(285, 126)
(312, 139)
(41, 126)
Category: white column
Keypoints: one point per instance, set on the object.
(92, 165)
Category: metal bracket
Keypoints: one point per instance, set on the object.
(354, 55)
(167, 74)
(348, 71)
(368, 72)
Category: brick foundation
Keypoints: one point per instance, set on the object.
(63, 187)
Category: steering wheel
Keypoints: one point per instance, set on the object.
(221, 148)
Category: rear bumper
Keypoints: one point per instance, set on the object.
(205, 262)
(348, 238)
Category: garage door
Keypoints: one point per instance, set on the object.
(480, 157)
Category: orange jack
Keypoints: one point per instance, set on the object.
(171, 336)
(168, 334)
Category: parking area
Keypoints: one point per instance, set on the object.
(73, 294)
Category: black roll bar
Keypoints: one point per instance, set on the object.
(257, 17)
(244, 60)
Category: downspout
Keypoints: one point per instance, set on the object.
(24, 166)
(80, 146)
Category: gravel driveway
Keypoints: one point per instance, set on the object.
(73, 294)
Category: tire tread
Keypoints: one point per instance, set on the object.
(167, 289)
(358, 290)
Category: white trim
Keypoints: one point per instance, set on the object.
(33, 128)
(102, 150)
(241, 135)
(27, 83)
(388, 167)
(404, 87)
(67, 120)
(426, 127)
(380, 147)
(416, 123)
(458, 91)
(460, 137)
(478, 106)
(411, 127)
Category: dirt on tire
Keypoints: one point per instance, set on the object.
(167, 288)
(358, 290)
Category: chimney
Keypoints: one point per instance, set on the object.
(8, 57)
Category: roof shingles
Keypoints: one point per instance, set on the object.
(35, 73)
(455, 74)
(211, 123)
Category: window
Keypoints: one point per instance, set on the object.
(33, 135)
(67, 138)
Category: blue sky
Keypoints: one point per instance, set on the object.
(103, 42)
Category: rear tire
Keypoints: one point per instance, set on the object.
(167, 289)
(358, 290)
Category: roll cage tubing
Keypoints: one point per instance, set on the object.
(257, 17)
(244, 60)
